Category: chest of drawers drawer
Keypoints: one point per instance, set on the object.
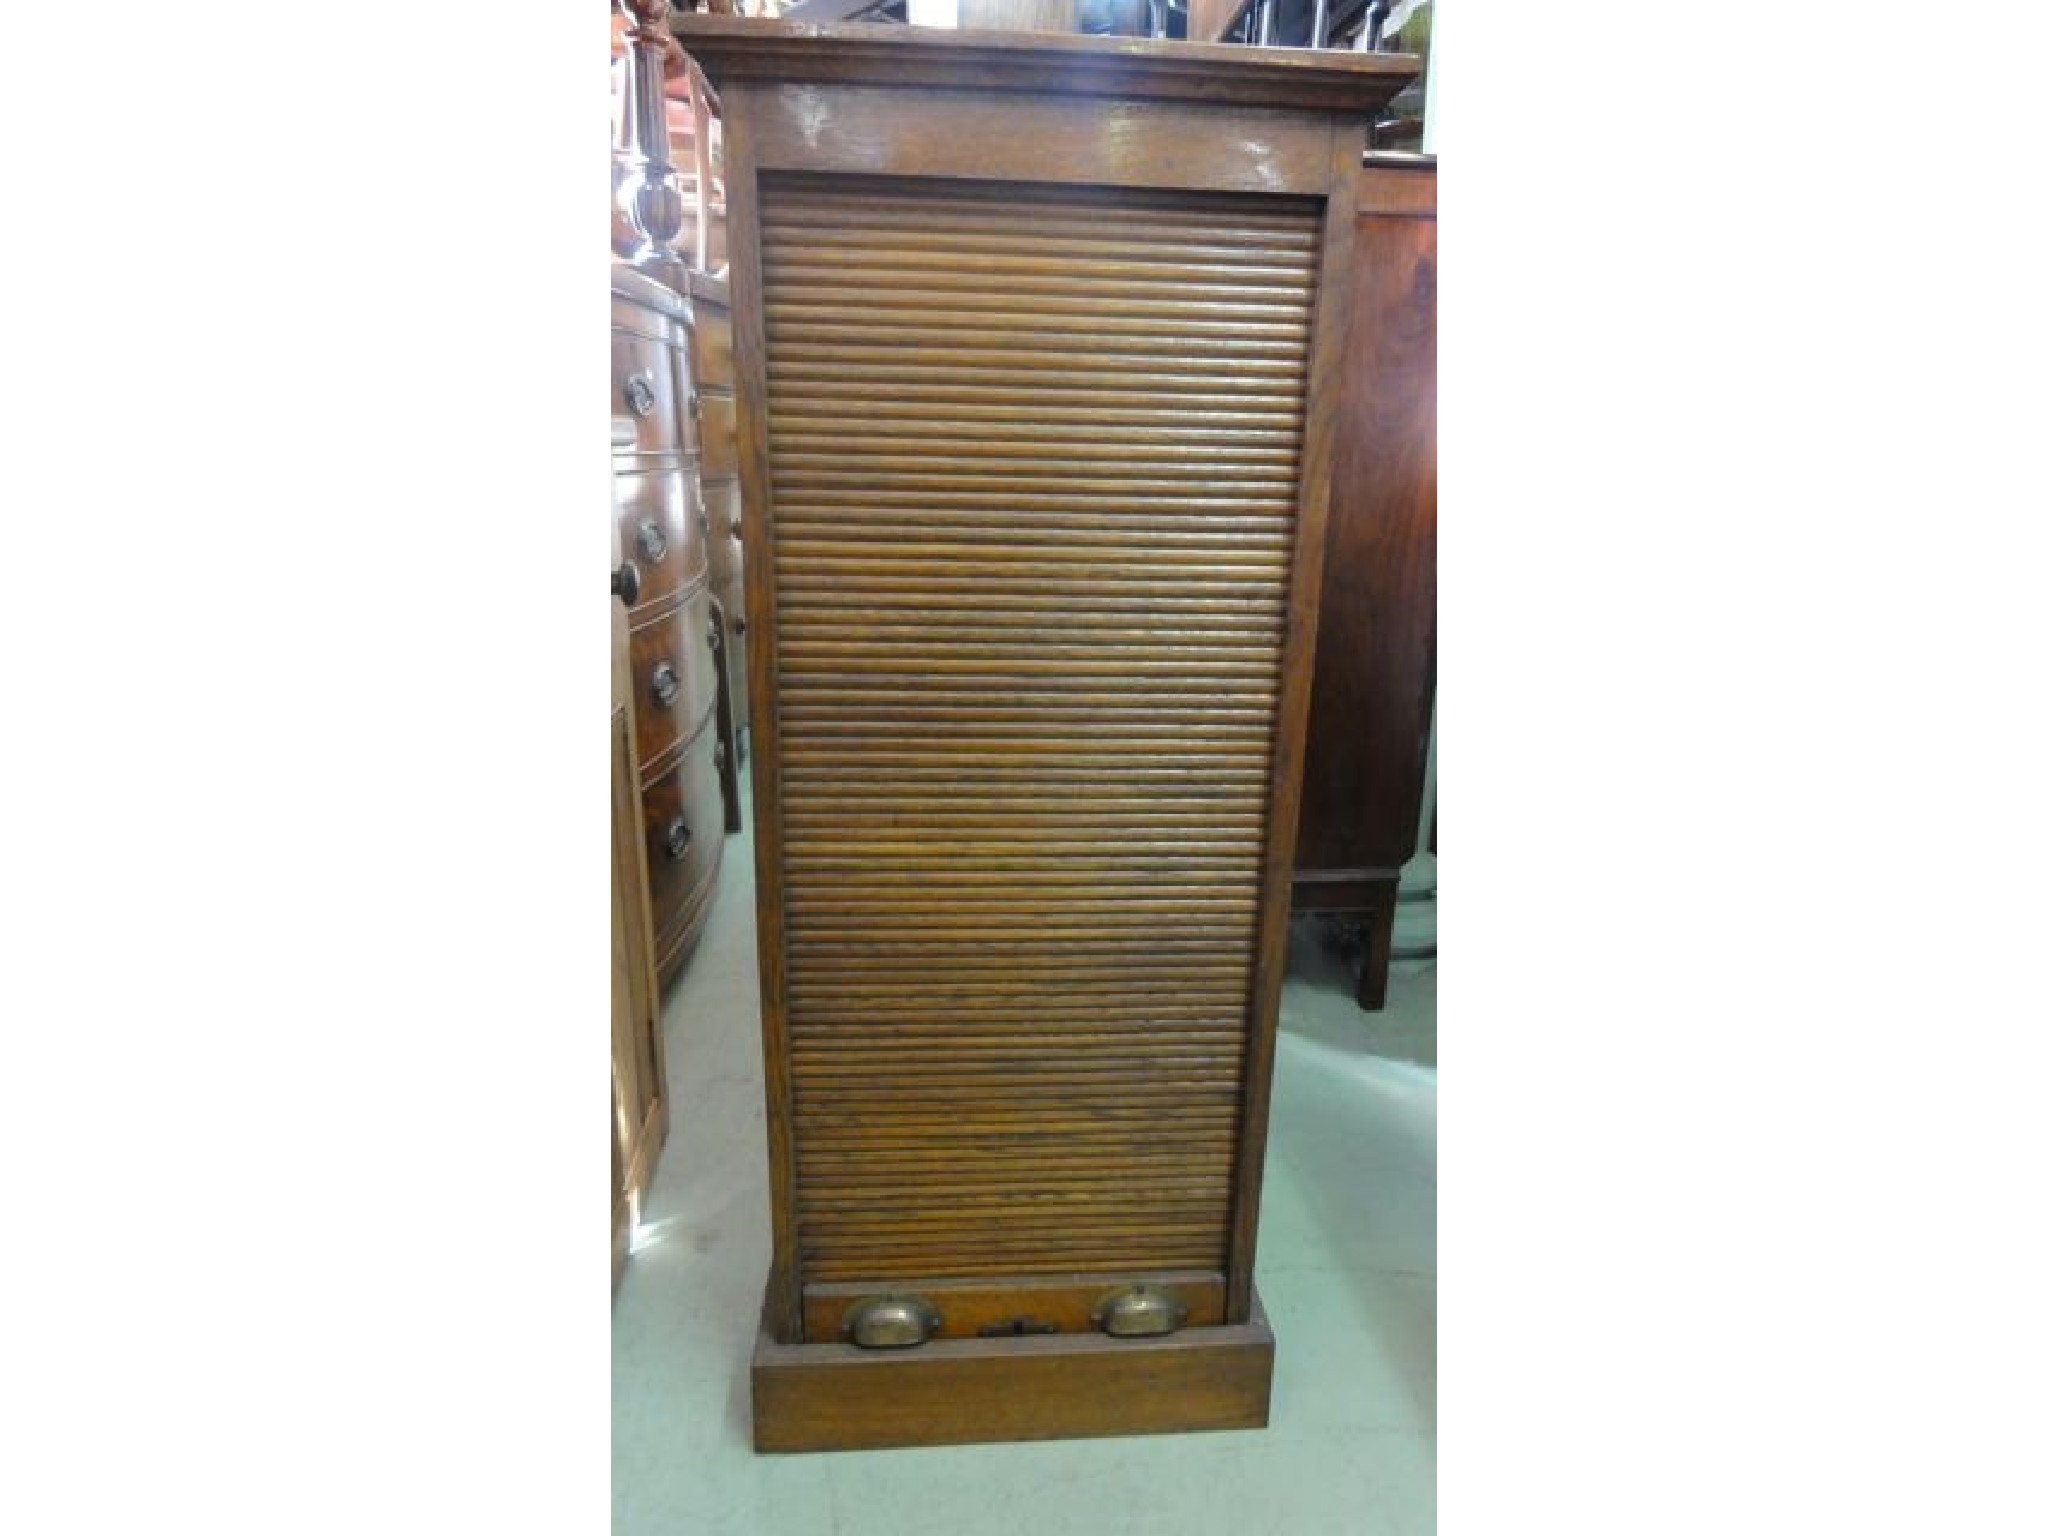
(644, 389)
(675, 678)
(662, 529)
(651, 367)
(685, 822)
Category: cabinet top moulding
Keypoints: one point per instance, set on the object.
(1133, 69)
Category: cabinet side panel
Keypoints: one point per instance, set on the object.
(1375, 672)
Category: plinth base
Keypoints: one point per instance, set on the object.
(837, 1397)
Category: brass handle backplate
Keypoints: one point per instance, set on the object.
(640, 393)
(1139, 1312)
(891, 1322)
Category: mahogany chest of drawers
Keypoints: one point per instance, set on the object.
(674, 640)
(1034, 341)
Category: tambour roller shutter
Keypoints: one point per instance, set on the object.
(1034, 455)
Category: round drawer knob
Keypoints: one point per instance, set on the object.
(640, 393)
(676, 841)
(739, 625)
(667, 686)
(626, 583)
(653, 542)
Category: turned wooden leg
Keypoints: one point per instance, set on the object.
(1379, 949)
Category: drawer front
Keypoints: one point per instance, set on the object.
(712, 344)
(662, 530)
(720, 443)
(689, 401)
(732, 597)
(644, 389)
(722, 517)
(685, 820)
(675, 676)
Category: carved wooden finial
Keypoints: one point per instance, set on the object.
(648, 190)
(647, 23)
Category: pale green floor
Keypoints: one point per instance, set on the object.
(1347, 1268)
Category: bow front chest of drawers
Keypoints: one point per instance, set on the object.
(1033, 342)
(674, 638)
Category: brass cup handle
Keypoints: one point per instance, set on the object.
(653, 541)
(626, 583)
(676, 841)
(639, 391)
(667, 686)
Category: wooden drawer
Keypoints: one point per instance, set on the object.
(685, 821)
(732, 596)
(662, 530)
(711, 345)
(722, 516)
(644, 388)
(675, 677)
(719, 442)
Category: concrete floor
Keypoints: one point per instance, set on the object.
(1347, 1268)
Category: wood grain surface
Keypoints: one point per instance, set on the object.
(1036, 342)
(1029, 660)
(1375, 669)
(827, 1397)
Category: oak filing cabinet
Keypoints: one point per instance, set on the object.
(1034, 346)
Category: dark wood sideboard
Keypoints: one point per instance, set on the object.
(1375, 672)
(1036, 344)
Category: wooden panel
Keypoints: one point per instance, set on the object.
(1026, 621)
(1375, 670)
(735, 51)
(713, 346)
(715, 435)
(1159, 144)
(825, 1397)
